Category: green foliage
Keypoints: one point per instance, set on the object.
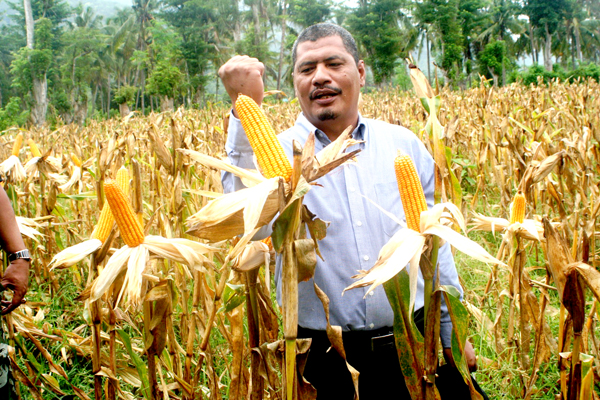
(125, 94)
(39, 61)
(11, 115)
(589, 71)
(444, 16)
(43, 34)
(32, 63)
(493, 58)
(473, 20)
(21, 72)
(166, 43)
(202, 27)
(548, 13)
(165, 80)
(252, 44)
(60, 103)
(537, 74)
(374, 25)
(305, 13)
(402, 78)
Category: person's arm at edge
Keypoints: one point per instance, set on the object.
(16, 276)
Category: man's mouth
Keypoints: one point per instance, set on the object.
(324, 93)
(324, 96)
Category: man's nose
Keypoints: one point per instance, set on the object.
(321, 75)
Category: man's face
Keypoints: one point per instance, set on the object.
(327, 82)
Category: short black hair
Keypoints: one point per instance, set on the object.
(326, 29)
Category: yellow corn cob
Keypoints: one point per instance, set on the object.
(267, 148)
(106, 220)
(129, 226)
(268, 242)
(517, 209)
(123, 180)
(17, 145)
(105, 224)
(411, 191)
(76, 160)
(34, 149)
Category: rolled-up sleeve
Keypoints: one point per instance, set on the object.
(239, 153)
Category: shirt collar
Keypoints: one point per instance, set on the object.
(357, 134)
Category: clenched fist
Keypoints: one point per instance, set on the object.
(243, 74)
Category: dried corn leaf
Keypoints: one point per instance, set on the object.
(253, 256)
(224, 217)
(334, 334)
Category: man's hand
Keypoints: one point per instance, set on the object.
(469, 355)
(243, 74)
(15, 278)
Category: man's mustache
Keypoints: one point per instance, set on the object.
(333, 89)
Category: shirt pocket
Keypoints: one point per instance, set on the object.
(388, 198)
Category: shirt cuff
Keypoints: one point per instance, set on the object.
(237, 141)
(446, 334)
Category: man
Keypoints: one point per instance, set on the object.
(328, 75)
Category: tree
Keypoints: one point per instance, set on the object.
(84, 44)
(493, 59)
(472, 21)
(40, 64)
(546, 16)
(207, 30)
(304, 13)
(165, 80)
(144, 13)
(9, 44)
(443, 15)
(124, 97)
(39, 58)
(36, 29)
(375, 26)
(503, 24)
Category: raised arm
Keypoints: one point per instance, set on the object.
(240, 75)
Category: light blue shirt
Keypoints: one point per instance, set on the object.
(358, 229)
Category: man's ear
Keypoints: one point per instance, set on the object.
(362, 72)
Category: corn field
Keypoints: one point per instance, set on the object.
(185, 330)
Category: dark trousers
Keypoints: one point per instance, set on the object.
(380, 373)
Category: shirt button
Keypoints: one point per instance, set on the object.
(358, 223)
(371, 293)
(366, 258)
(371, 326)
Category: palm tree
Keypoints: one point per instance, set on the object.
(503, 25)
(84, 40)
(143, 10)
(40, 83)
